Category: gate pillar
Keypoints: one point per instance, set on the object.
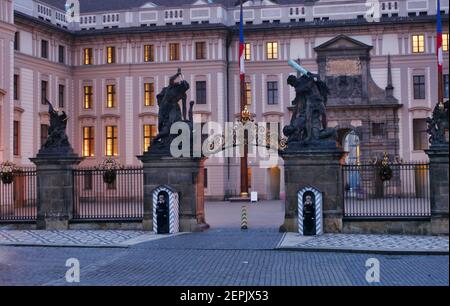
(318, 167)
(183, 175)
(55, 189)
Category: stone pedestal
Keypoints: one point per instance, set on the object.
(55, 189)
(320, 169)
(186, 177)
(439, 189)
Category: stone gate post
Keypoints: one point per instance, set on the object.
(439, 189)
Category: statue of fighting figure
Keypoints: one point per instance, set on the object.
(438, 125)
(57, 141)
(309, 120)
(170, 111)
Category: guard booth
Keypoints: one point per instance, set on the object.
(310, 217)
(165, 211)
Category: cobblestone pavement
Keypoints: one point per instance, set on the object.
(218, 257)
(76, 238)
(378, 243)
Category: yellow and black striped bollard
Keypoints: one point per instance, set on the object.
(244, 219)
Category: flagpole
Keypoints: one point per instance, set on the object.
(439, 52)
(244, 159)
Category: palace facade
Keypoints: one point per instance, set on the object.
(106, 70)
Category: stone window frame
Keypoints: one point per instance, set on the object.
(88, 56)
(445, 42)
(110, 55)
(149, 53)
(17, 41)
(61, 94)
(16, 87)
(88, 142)
(43, 133)
(44, 90)
(274, 48)
(419, 46)
(201, 50)
(174, 49)
(417, 86)
(16, 138)
(378, 129)
(248, 51)
(44, 49)
(112, 142)
(272, 93)
(420, 135)
(149, 100)
(149, 132)
(204, 95)
(61, 54)
(86, 95)
(111, 95)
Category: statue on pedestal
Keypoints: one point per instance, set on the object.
(438, 125)
(309, 121)
(170, 111)
(57, 142)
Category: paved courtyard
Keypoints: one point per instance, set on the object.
(224, 255)
(217, 257)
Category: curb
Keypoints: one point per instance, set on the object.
(366, 251)
(44, 245)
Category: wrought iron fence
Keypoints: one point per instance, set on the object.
(18, 195)
(394, 190)
(99, 195)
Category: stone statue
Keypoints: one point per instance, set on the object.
(57, 142)
(170, 111)
(309, 121)
(438, 125)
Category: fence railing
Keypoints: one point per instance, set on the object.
(18, 195)
(368, 194)
(96, 200)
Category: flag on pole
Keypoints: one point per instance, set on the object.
(439, 50)
(241, 45)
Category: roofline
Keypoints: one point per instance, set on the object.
(234, 29)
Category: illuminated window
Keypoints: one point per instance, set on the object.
(88, 95)
(418, 43)
(272, 50)
(150, 133)
(248, 93)
(88, 141)
(248, 52)
(110, 55)
(174, 52)
(87, 56)
(445, 42)
(149, 55)
(149, 94)
(200, 50)
(110, 96)
(111, 141)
